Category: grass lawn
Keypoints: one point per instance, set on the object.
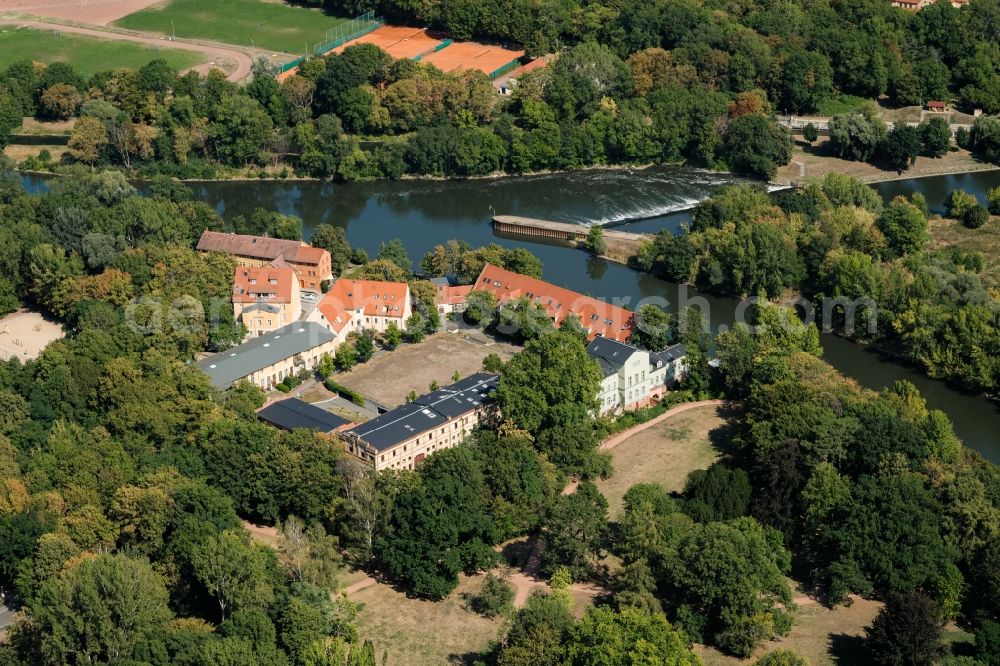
(823, 636)
(985, 240)
(665, 453)
(415, 631)
(841, 104)
(270, 25)
(88, 55)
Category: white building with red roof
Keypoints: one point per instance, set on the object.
(357, 305)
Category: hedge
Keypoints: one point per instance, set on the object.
(345, 392)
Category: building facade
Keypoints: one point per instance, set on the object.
(271, 357)
(405, 436)
(634, 378)
(312, 265)
(356, 305)
(266, 298)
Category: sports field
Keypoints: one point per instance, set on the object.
(275, 26)
(88, 55)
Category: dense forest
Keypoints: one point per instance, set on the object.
(633, 83)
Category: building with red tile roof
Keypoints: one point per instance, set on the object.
(265, 297)
(597, 317)
(363, 304)
(450, 298)
(312, 264)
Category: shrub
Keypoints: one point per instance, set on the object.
(993, 199)
(495, 597)
(810, 133)
(976, 217)
(345, 392)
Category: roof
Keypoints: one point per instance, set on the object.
(385, 299)
(260, 247)
(292, 413)
(452, 295)
(597, 317)
(426, 412)
(613, 353)
(270, 308)
(935, 105)
(241, 361)
(263, 284)
(668, 355)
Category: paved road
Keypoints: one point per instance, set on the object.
(242, 60)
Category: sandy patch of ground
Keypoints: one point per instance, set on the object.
(812, 163)
(97, 12)
(39, 126)
(389, 376)
(664, 451)
(19, 152)
(24, 334)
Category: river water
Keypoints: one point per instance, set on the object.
(425, 213)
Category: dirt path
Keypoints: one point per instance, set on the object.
(239, 60)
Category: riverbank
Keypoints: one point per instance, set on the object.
(812, 162)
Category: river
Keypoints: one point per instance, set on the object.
(425, 213)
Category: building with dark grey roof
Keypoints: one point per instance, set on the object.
(269, 358)
(292, 414)
(633, 377)
(403, 437)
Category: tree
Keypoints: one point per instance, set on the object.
(347, 356)
(732, 577)
(810, 133)
(976, 217)
(857, 135)
(440, 526)
(984, 138)
(480, 307)
(617, 638)
(993, 198)
(654, 328)
(574, 531)
(241, 131)
(757, 146)
(906, 631)
(370, 502)
(595, 242)
(806, 79)
(234, 570)
(959, 202)
(60, 101)
(392, 336)
(365, 347)
(718, 493)
(492, 363)
(99, 609)
(88, 139)
(904, 226)
(395, 251)
(901, 147)
(495, 597)
(935, 137)
(334, 240)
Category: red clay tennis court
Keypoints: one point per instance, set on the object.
(472, 55)
(399, 42)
